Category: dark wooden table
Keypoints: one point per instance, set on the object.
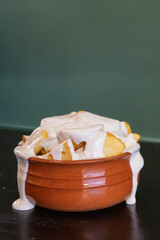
(140, 221)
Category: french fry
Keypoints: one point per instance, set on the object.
(128, 127)
(136, 136)
(66, 153)
(113, 146)
(77, 146)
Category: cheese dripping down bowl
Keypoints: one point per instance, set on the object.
(78, 162)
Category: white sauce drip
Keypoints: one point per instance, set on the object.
(81, 126)
(22, 203)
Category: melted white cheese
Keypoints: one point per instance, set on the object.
(81, 126)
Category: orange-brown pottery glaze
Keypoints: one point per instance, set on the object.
(82, 185)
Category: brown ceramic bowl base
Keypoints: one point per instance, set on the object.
(83, 185)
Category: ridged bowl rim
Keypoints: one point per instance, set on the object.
(75, 162)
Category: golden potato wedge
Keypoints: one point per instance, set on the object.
(66, 153)
(37, 148)
(24, 138)
(49, 156)
(43, 152)
(74, 144)
(81, 145)
(78, 112)
(77, 146)
(136, 136)
(128, 127)
(44, 134)
(113, 146)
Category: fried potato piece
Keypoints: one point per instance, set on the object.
(113, 146)
(24, 138)
(49, 156)
(44, 134)
(37, 148)
(43, 152)
(77, 146)
(128, 127)
(136, 136)
(79, 112)
(81, 145)
(66, 153)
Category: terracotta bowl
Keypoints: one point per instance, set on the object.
(82, 185)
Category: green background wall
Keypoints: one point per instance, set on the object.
(101, 56)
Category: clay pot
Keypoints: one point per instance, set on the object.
(82, 185)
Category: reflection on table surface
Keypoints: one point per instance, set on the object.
(118, 222)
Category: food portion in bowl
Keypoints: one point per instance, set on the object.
(75, 137)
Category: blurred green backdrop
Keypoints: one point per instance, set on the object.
(101, 56)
